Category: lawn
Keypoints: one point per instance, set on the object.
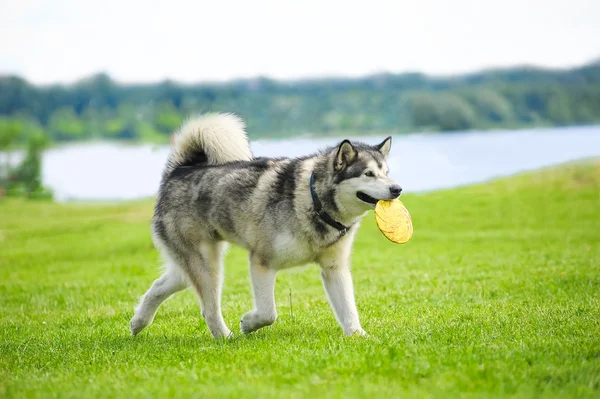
(496, 295)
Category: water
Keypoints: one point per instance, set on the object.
(419, 163)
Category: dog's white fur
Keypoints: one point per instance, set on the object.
(221, 136)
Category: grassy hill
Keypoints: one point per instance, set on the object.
(496, 295)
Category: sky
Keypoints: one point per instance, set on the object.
(61, 41)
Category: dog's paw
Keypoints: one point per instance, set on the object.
(253, 321)
(224, 334)
(247, 324)
(357, 333)
(137, 324)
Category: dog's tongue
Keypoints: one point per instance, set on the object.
(394, 221)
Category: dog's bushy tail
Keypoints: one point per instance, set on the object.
(210, 138)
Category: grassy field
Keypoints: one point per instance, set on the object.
(496, 295)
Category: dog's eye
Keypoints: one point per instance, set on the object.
(370, 174)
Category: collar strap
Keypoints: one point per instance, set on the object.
(322, 214)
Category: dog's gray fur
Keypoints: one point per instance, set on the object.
(213, 191)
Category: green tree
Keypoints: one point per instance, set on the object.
(10, 131)
(66, 125)
(167, 118)
(93, 120)
(30, 171)
(147, 132)
(423, 111)
(443, 111)
(490, 105)
(454, 113)
(114, 127)
(559, 109)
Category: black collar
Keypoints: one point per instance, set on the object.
(322, 214)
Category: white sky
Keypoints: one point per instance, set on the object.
(142, 41)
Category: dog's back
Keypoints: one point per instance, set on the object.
(214, 190)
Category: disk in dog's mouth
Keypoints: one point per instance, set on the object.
(394, 221)
(366, 198)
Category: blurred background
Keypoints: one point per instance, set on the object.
(91, 92)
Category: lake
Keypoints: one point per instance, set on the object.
(419, 162)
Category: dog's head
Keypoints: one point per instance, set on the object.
(360, 176)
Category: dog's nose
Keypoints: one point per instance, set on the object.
(395, 190)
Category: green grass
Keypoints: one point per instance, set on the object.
(496, 295)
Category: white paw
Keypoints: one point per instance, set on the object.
(222, 334)
(252, 321)
(138, 324)
(357, 333)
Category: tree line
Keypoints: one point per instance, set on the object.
(23, 179)
(100, 108)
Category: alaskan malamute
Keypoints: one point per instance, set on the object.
(285, 211)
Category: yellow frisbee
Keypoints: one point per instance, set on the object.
(394, 221)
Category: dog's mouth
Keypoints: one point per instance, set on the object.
(366, 198)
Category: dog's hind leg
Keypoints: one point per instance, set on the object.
(166, 285)
(205, 272)
(263, 286)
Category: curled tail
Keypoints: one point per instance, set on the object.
(210, 138)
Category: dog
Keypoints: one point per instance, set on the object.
(285, 211)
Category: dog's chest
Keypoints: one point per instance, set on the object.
(289, 251)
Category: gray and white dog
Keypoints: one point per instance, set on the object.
(285, 211)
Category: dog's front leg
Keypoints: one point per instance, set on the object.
(337, 281)
(263, 287)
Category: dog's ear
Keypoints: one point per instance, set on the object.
(385, 146)
(346, 154)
